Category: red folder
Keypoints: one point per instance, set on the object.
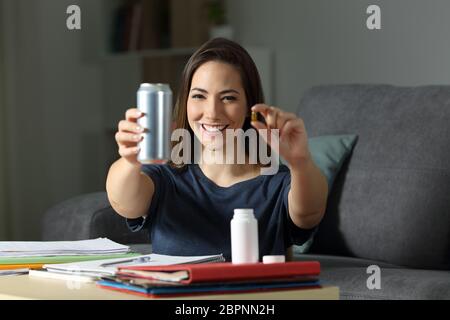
(224, 272)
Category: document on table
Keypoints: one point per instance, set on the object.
(109, 266)
(57, 248)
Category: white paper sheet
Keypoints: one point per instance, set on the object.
(43, 248)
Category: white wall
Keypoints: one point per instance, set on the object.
(326, 41)
(54, 106)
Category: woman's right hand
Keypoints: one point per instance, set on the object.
(129, 135)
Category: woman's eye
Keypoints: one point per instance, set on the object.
(197, 96)
(229, 98)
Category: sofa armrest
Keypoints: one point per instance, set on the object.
(88, 216)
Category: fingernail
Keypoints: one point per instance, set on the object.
(138, 113)
(139, 129)
(136, 137)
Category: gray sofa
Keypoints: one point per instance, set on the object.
(389, 205)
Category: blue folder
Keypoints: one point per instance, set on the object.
(205, 288)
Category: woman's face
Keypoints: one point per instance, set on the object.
(216, 102)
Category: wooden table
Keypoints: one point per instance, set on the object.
(25, 287)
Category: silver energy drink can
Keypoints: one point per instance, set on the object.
(155, 101)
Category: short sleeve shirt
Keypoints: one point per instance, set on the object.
(190, 214)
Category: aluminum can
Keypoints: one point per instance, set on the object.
(154, 100)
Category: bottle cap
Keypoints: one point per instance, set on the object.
(274, 259)
(243, 212)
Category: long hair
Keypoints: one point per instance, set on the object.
(227, 51)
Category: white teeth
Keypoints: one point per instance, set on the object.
(214, 128)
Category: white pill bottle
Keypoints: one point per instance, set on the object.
(244, 237)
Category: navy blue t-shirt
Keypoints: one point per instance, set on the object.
(190, 214)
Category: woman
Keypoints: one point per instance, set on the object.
(187, 208)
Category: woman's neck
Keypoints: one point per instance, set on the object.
(224, 174)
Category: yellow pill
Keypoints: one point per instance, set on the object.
(254, 116)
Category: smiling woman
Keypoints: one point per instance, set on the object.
(188, 206)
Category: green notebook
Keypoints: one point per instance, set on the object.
(63, 259)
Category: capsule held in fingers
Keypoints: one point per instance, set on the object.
(254, 116)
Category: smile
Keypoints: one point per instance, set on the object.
(213, 128)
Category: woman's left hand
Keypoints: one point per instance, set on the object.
(293, 139)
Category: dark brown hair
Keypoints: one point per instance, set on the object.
(222, 50)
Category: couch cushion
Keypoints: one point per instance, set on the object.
(330, 152)
(86, 217)
(391, 200)
(329, 261)
(350, 275)
(395, 284)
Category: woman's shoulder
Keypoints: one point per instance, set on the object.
(279, 177)
(165, 174)
(165, 168)
(282, 170)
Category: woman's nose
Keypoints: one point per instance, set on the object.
(213, 108)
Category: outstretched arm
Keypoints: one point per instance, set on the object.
(307, 197)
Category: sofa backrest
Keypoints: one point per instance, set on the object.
(391, 200)
(88, 216)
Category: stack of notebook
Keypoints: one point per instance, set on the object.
(93, 270)
(34, 254)
(212, 278)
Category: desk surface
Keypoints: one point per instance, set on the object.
(25, 287)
